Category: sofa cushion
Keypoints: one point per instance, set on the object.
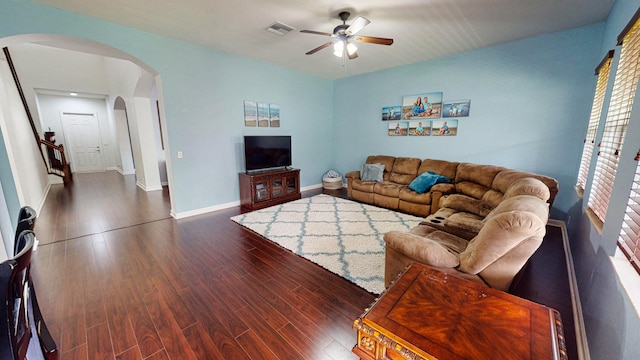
(425, 181)
(404, 170)
(515, 220)
(509, 176)
(388, 188)
(442, 167)
(475, 180)
(385, 160)
(464, 203)
(528, 186)
(423, 249)
(372, 172)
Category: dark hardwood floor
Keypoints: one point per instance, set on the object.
(118, 278)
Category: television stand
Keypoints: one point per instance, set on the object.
(267, 188)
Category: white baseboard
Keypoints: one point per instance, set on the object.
(578, 318)
(153, 188)
(185, 214)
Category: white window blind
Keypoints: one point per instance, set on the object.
(602, 71)
(629, 239)
(615, 127)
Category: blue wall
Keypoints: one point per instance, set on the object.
(611, 321)
(203, 93)
(529, 102)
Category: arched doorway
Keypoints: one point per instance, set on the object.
(128, 85)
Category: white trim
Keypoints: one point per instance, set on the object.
(45, 193)
(154, 188)
(628, 277)
(182, 215)
(201, 211)
(578, 318)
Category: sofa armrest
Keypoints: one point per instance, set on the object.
(353, 175)
(421, 249)
(437, 191)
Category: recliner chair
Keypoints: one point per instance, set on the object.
(511, 233)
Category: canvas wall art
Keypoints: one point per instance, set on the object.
(398, 128)
(250, 113)
(456, 108)
(444, 127)
(422, 106)
(419, 128)
(391, 113)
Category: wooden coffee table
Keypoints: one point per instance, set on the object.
(428, 314)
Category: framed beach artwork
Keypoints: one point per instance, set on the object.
(419, 128)
(444, 127)
(398, 128)
(455, 108)
(422, 106)
(250, 113)
(274, 115)
(391, 113)
(263, 114)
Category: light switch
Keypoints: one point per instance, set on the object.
(179, 154)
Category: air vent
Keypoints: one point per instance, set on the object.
(279, 28)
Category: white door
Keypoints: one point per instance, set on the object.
(82, 134)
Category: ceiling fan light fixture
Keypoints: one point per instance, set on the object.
(338, 48)
(351, 49)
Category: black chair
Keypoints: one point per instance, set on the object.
(26, 221)
(17, 297)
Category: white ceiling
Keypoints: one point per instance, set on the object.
(421, 29)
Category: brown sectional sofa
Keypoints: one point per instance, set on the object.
(486, 183)
(483, 225)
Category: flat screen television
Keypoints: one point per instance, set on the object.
(265, 152)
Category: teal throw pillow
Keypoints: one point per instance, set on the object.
(372, 172)
(426, 180)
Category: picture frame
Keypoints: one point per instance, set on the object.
(250, 113)
(263, 114)
(422, 106)
(398, 128)
(391, 113)
(274, 115)
(419, 128)
(456, 108)
(444, 127)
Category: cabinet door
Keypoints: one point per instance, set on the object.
(291, 184)
(261, 188)
(276, 187)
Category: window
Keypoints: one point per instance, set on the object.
(629, 239)
(602, 71)
(615, 126)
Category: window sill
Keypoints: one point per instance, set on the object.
(629, 278)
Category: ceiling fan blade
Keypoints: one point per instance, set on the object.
(373, 40)
(310, 52)
(353, 55)
(315, 32)
(358, 24)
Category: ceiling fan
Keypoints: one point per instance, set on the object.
(344, 35)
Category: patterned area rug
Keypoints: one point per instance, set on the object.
(343, 236)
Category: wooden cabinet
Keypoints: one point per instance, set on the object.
(267, 188)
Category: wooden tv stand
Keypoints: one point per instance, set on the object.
(267, 188)
(428, 314)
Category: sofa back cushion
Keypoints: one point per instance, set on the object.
(385, 160)
(441, 167)
(511, 234)
(475, 180)
(404, 170)
(506, 178)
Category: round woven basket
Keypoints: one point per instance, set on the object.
(332, 183)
